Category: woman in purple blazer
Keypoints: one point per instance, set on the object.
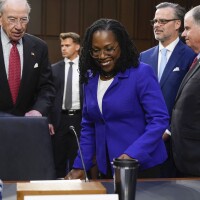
(124, 114)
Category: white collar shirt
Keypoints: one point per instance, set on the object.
(169, 48)
(6, 45)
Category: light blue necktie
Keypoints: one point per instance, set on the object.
(163, 62)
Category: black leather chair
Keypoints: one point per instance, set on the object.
(25, 149)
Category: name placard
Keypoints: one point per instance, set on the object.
(58, 188)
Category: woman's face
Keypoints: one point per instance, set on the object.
(105, 49)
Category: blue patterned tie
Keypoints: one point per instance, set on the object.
(163, 62)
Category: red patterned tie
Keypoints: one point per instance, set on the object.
(14, 71)
(193, 63)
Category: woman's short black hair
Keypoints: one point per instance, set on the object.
(128, 57)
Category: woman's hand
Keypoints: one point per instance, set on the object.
(75, 174)
(125, 156)
(165, 137)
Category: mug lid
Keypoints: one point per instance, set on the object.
(125, 162)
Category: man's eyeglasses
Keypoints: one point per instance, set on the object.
(161, 21)
(14, 21)
(109, 51)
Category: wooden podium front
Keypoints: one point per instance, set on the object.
(58, 188)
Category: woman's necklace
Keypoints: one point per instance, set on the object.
(107, 75)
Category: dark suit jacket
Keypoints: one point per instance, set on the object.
(58, 70)
(185, 124)
(175, 70)
(36, 88)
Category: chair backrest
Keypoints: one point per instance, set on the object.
(25, 149)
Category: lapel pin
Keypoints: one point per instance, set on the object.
(32, 54)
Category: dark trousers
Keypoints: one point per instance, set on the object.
(168, 168)
(65, 144)
(153, 172)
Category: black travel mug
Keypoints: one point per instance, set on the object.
(125, 178)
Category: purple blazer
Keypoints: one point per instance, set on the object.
(133, 119)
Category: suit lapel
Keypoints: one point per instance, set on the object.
(171, 64)
(189, 74)
(93, 86)
(92, 89)
(81, 94)
(4, 86)
(62, 76)
(29, 56)
(154, 60)
(120, 75)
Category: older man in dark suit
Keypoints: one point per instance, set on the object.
(26, 86)
(185, 125)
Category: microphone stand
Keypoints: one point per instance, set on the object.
(73, 129)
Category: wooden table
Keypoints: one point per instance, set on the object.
(147, 189)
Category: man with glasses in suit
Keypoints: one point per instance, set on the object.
(167, 24)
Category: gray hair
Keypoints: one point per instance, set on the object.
(179, 11)
(195, 13)
(4, 2)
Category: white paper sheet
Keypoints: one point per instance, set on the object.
(74, 197)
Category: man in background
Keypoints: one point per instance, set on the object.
(26, 86)
(170, 67)
(185, 123)
(66, 111)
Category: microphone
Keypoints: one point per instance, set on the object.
(73, 129)
(1, 189)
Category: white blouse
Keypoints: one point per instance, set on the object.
(102, 87)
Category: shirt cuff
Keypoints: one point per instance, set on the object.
(168, 132)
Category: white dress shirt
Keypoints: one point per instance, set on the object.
(6, 45)
(169, 48)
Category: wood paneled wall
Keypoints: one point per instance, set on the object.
(51, 17)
